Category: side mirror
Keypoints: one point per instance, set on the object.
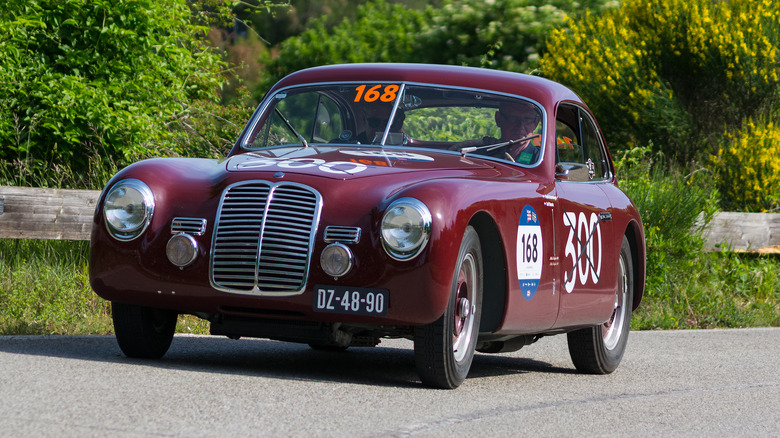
(561, 173)
(570, 171)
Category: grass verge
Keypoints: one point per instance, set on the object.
(44, 289)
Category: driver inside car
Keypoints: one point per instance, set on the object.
(376, 118)
(517, 121)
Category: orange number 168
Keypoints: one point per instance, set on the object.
(388, 94)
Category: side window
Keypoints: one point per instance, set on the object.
(311, 115)
(595, 156)
(567, 143)
(580, 155)
(327, 121)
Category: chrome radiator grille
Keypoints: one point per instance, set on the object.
(263, 238)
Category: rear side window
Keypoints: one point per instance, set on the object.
(580, 153)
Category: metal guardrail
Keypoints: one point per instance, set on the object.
(61, 214)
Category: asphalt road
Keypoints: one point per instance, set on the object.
(671, 383)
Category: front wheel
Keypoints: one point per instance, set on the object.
(599, 349)
(444, 349)
(143, 332)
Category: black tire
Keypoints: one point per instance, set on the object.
(143, 332)
(599, 349)
(319, 346)
(444, 349)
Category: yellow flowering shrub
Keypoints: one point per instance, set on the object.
(748, 168)
(674, 73)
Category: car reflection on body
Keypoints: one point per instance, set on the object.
(365, 201)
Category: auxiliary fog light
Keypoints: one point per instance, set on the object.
(336, 260)
(181, 250)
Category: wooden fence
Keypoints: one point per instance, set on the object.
(53, 214)
(32, 213)
(750, 232)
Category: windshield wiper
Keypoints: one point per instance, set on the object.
(290, 126)
(494, 146)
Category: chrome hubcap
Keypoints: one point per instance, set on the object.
(612, 330)
(463, 324)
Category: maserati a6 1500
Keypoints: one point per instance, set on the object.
(469, 210)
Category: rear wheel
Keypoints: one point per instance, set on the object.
(143, 332)
(599, 349)
(444, 349)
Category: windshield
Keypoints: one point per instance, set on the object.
(404, 116)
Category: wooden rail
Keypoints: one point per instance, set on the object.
(50, 214)
(749, 232)
(60, 214)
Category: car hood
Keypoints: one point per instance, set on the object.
(353, 162)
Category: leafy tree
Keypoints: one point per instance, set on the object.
(380, 32)
(677, 73)
(114, 79)
(502, 34)
(276, 25)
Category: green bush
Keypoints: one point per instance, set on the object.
(674, 204)
(748, 167)
(371, 37)
(687, 287)
(92, 78)
(676, 73)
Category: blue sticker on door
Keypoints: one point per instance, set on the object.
(529, 252)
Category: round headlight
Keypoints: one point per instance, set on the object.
(336, 260)
(128, 209)
(406, 228)
(181, 249)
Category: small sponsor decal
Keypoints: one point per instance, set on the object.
(530, 252)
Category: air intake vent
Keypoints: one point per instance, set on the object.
(188, 225)
(263, 238)
(342, 234)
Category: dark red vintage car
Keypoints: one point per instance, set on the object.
(466, 209)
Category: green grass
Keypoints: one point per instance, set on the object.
(44, 289)
(710, 290)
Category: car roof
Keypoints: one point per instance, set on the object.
(543, 91)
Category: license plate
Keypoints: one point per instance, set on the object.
(351, 300)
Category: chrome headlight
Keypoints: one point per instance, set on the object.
(406, 228)
(128, 209)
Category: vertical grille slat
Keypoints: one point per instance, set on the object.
(263, 238)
